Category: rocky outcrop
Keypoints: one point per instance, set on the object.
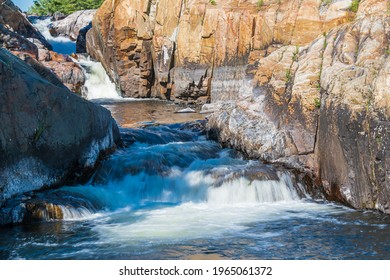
(48, 135)
(323, 109)
(12, 19)
(19, 36)
(171, 49)
(81, 42)
(71, 25)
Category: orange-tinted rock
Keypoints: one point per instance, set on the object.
(171, 49)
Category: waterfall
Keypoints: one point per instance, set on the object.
(97, 85)
(60, 44)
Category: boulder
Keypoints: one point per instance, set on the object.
(14, 20)
(48, 136)
(81, 42)
(71, 25)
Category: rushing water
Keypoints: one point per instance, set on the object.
(173, 194)
(170, 193)
(60, 44)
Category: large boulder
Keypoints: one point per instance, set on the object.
(71, 25)
(48, 136)
(13, 19)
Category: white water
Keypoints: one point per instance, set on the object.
(97, 85)
(60, 44)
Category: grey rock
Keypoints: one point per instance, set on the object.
(48, 135)
(72, 24)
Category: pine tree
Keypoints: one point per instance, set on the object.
(49, 7)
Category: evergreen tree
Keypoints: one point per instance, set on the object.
(49, 7)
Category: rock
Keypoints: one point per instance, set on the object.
(16, 43)
(181, 50)
(66, 70)
(323, 109)
(81, 42)
(58, 16)
(71, 25)
(13, 19)
(48, 136)
(56, 68)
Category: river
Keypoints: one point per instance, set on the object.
(171, 193)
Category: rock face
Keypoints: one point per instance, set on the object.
(19, 36)
(183, 50)
(323, 109)
(71, 25)
(48, 134)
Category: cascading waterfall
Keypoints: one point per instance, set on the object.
(60, 44)
(170, 182)
(97, 85)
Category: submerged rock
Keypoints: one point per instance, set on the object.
(48, 135)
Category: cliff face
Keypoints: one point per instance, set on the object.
(171, 49)
(304, 83)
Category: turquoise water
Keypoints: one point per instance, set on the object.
(172, 194)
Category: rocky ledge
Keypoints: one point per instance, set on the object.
(49, 136)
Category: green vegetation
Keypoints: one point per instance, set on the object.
(326, 2)
(317, 102)
(296, 54)
(38, 132)
(355, 6)
(260, 3)
(288, 75)
(387, 51)
(213, 2)
(49, 7)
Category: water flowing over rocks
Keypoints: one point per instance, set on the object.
(302, 83)
(49, 135)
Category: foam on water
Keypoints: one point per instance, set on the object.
(60, 44)
(97, 85)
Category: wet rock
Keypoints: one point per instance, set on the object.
(41, 211)
(81, 43)
(71, 25)
(49, 136)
